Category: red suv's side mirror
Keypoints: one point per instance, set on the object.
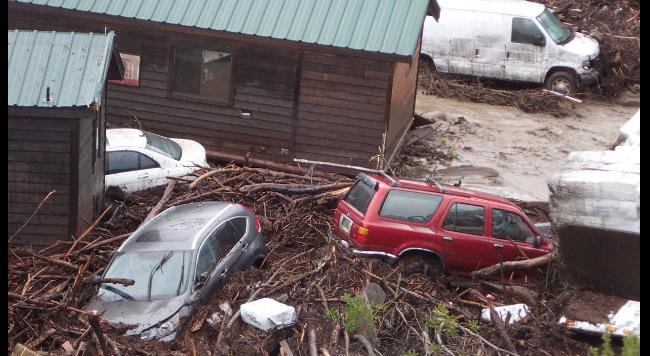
(538, 241)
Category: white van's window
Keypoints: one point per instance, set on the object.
(524, 31)
(553, 26)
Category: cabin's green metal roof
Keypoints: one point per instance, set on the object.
(382, 26)
(73, 65)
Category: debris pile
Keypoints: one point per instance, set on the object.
(616, 25)
(488, 91)
(343, 304)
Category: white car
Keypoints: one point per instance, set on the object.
(137, 160)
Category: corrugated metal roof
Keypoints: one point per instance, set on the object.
(383, 26)
(73, 65)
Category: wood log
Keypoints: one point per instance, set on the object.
(293, 188)
(313, 348)
(162, 201)
(285, 350)
(123, 281)
(514, 266)
(530, 297)
(93, 320)
(496, 320)
(228, 157)
(88, 230)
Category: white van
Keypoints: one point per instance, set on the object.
(512, 40)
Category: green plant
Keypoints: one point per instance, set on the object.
(411, 352)
(333, 314)
(357, 312)
(474, 326)
(606, 347)
(442, 322)
(435, 349)
(631, 345)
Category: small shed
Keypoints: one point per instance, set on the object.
(56, 123)
(330, 81)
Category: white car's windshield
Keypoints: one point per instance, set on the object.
(165, 273)
(163, 145)
(553, 26)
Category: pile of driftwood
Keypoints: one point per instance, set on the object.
(617, 27)
(525, 97)
(48, 287)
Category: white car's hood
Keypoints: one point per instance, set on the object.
(193, 152)
(583, 46)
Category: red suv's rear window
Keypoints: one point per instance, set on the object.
(410, 206)
(360, 196)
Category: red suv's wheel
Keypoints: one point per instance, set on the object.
(428, 265)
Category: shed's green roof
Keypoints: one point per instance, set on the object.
(382, 26)
(73, 65)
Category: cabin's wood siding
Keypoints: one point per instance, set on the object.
(341, 108)
(90, 172)
(39, 161)
(51, 149)
(405, 77)
(316, 105)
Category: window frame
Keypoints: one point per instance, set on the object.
(512, 29)
(453, 204)
(130, 82)
(208, 239)
(198, 98)
(504, 238)
(427, 223)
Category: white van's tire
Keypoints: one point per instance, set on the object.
(563, 82)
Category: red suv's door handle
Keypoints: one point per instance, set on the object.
(447, 238)
(498, 245)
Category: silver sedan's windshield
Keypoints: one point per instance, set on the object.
(167, 280)
(553, 26)
(163, 145)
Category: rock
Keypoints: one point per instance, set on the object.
(374, 294)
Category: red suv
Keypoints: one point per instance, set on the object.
(431, 228)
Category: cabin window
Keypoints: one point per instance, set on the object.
(202, 73)
(131, 63)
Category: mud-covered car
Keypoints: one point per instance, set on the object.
(177, 261)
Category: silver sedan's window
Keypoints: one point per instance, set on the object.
(207, 260)
(170, 280)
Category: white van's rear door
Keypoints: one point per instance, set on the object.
(490, 38)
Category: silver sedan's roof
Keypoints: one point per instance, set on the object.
(180, 227)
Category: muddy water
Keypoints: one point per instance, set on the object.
(506, 151)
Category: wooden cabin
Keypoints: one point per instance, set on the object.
(330, 81)
(56, 120)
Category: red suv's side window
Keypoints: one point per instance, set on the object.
(410, 206)
(465, 218)
(508, 225)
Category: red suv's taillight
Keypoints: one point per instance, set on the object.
(362, 234)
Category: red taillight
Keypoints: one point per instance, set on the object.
(362, 234)
(258, 223)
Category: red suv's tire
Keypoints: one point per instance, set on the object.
(427, 265)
